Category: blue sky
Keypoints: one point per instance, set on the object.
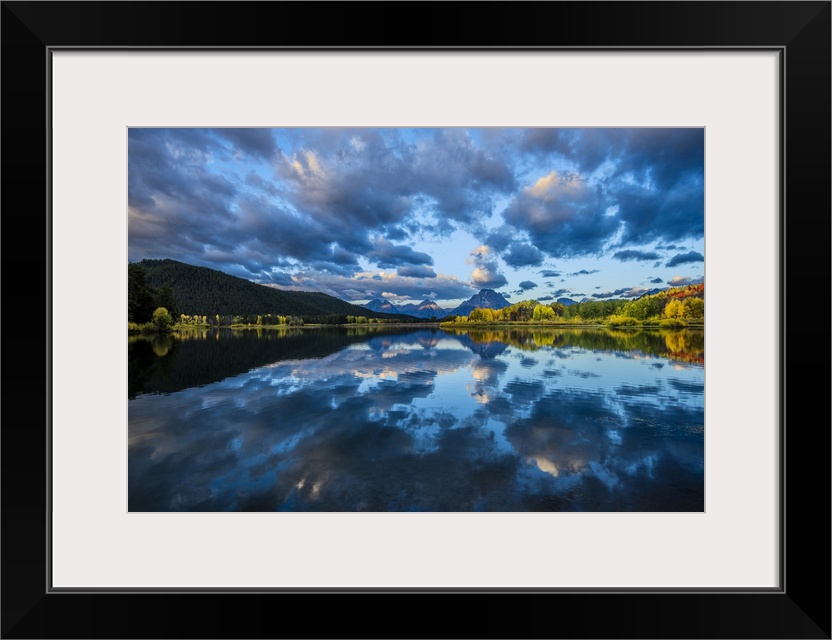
(410, 214)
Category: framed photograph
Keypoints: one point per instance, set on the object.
(555, 190)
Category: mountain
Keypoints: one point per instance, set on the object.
(567, 302)
(208, 292)
(485, 299)
(426, 309)
(382, 306)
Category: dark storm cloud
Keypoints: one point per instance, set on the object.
(563, 215)
(522, 255)
(685, 258)
(661, 154)
(416, 271)
(650, 215)
(652, 178)
(276, 232)
(632, 254)
(550, 274)
(527, 284)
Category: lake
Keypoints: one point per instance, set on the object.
(418, 419)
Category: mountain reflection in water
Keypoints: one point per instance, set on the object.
(417, 420)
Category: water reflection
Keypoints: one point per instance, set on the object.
(424, 420)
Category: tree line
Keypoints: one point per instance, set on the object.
(674, 307)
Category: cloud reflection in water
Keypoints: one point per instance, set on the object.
(427, 421)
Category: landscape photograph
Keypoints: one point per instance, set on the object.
(416, 319)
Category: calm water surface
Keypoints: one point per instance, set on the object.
(417, 420)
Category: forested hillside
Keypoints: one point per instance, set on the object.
(199, 291)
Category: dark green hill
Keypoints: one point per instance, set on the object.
(208, 292)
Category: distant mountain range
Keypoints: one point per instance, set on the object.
(485, 299)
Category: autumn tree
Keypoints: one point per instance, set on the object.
(694, 309)
(674, 309)
(162, 320)
(558, 308)
(542, 312)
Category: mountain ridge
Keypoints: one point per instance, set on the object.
(210, 292)
(485, 299)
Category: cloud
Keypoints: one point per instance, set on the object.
(527, 284)
(632, 254)
(500, 238)
(416, 271)
(388, 255)
(316, 195)
(652, 178)
(626, 292)
(635, 292)
(678, 281)
(253, 141)
(273, 204)
(393, 297)
(685, 258)
(523, 255)
(374, 284)
(656, 280)
(545, 298)
(563, 215)
(485, 274)
(583, 272)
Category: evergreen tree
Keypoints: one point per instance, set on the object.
(140, 295)
(165, 298)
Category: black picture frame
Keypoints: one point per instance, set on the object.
(799, 31)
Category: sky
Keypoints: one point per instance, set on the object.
(412, 214)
